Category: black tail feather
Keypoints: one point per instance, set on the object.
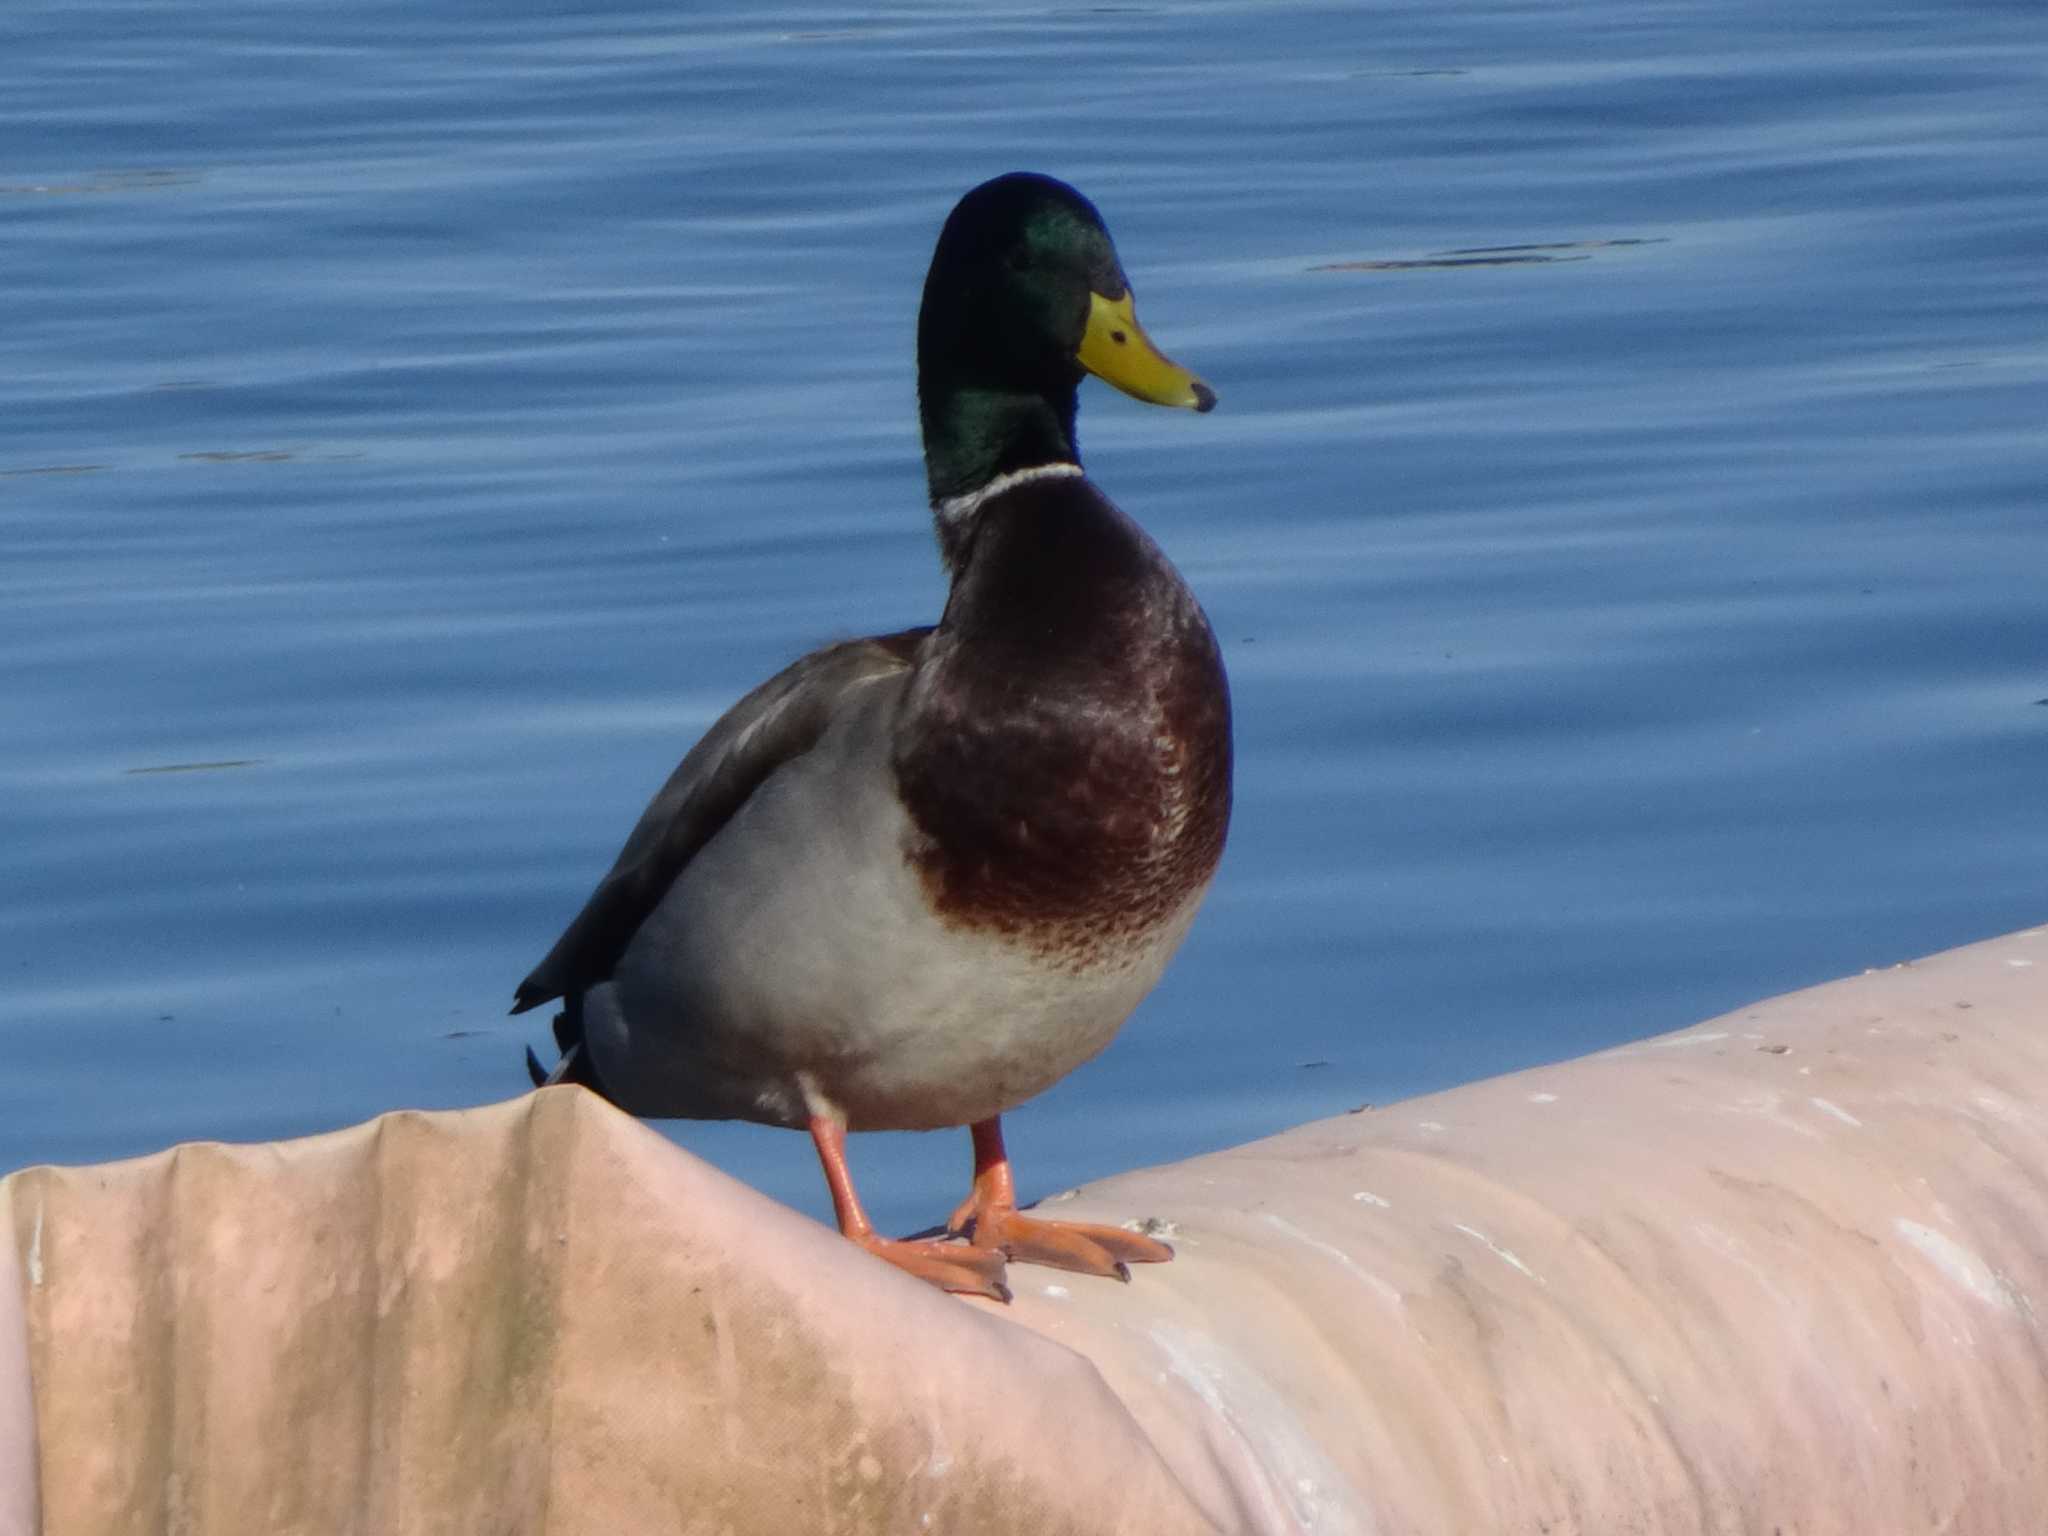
(569, 1025)
(574, 1067)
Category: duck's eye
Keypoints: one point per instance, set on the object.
(1118, 337)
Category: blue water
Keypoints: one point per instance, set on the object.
(426, 418)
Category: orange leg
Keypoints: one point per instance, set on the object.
(949, 1266)
(990, 1212)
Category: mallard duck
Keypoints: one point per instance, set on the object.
(913, 880)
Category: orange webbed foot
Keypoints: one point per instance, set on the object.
(1082, 1247)
(990, 1214)
(957, 1267)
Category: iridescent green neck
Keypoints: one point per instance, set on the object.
(974, 433)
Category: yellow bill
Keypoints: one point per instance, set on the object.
(1117, 351)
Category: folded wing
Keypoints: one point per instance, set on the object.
(775, 724)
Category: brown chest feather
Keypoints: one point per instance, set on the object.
(1066, 759)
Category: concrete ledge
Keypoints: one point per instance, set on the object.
(1777, 1272)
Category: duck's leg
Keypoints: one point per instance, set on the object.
(991, 1214)
(949, 1266)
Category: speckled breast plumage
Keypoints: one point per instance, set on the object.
(1066, 751)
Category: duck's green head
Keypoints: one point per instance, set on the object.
(1024, 295)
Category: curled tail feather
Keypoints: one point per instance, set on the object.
(575, 1065)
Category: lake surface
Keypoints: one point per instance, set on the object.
(1624, 519)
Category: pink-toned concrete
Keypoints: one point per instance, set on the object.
(1779, 1273)
(17, 1403)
